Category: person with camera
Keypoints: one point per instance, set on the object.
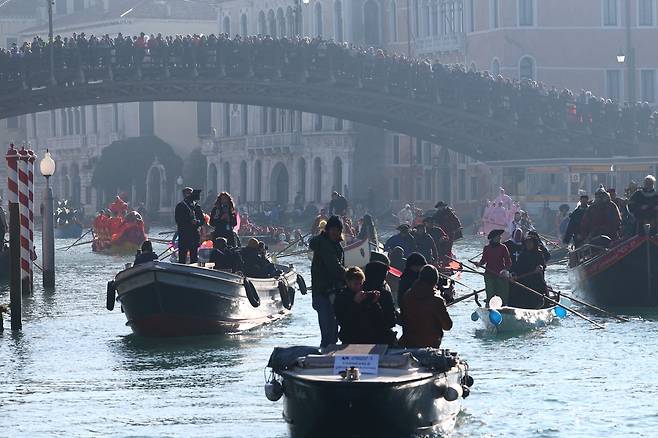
(224, 218)
(364, 308)
(189, 217)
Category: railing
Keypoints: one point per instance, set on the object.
(439, 43)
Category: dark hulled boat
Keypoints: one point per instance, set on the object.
(625, 275)
(169, 299)
(413, 392)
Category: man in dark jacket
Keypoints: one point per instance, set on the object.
(573, 229)
(327, 276)
(224, 257)
(425, 244)
(447, 220)
(189, 217)
(403, 239)
(338, 204)
(643, 204)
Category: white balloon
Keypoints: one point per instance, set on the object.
(495, 302)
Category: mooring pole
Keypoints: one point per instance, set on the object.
(15, 289)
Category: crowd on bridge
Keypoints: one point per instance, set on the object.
(527, 103)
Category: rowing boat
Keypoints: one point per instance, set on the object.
(507, 319)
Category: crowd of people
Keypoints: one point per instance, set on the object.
(117, 226)
(526, 103)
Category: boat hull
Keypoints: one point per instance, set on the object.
(517, 320)
(626, 276)
(368, 409)
(166, 300)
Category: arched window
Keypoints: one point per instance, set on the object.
(243, 182)
(227, 25)
(227, 176)
(271, 24)
(262, 25)
(301, 177)
(495, 67)
(280, 23)
(338, 21)
(317, 173)
(318, 19)
(526, 68)
(212, 179)
(371, 22)
(427, 24)
(393, 16)
(243, 25)
(258, 181)
(338, 174)
(290, 19)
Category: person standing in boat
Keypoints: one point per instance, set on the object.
(189, 217)
(425, 244)
(145, 254)
(515, 246)
(423, 312)
(447, 220)
(415, 263)
(575, 218)
(403, 239)
(602, 218)
(327, 276)
(338, 205)
(368, 230)
(364, 309)
(406, 215)
(529, 271)
(542, 247)
(321, 217)
(643, 204)
(441, 240)
(496, 261)
(224, 218)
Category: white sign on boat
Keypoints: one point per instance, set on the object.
(368, 364)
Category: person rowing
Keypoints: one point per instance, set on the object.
(497, 262)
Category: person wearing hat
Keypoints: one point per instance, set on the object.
(496, 261)
(441, 240)
(425, 243)
(189, 217)
(529, 271)
(643, 204)
(447, 220)
(327, 277)
(602, 218)
(338, 204)
(403, 239)
(573, 228)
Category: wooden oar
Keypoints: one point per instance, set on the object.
(162, 233)
(465, 297)
(79, 239)
(598, 309)
(66, 248)
(550, 300)
(163, 252)
(293, 243)
(156, 240)
(292, 254)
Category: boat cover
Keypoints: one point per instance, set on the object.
(283, 359)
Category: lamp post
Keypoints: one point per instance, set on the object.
(47, 168)
(51, 48)
(179, 187)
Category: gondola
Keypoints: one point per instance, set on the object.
(368, 390)
(163, 299)
(624, 275)
(507, 319)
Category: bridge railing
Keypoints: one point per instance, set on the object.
(528, 105)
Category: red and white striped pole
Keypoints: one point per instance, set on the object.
(14, 238)
(23, 201)
(32, 157)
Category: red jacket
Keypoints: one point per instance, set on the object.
(496, 258)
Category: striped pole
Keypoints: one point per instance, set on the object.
(32, 157)
(14, 239)
(23, 201)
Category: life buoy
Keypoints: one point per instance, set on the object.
(285, 297)
(252, 293)
(302, 284)
(111, 295)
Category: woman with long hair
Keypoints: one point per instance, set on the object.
(368, 230)
(224, 218)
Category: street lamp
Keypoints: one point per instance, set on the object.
(47, 168)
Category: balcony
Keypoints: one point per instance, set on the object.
(452, 42)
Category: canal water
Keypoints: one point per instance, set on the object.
(76, 370)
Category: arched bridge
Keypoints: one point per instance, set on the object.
(484, 117)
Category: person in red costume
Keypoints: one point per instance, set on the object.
(119, 207)
(496, 260)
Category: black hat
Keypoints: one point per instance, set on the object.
(440, 204)
(415, 259)
(403, 227)
(494, 234)
(334, 222)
